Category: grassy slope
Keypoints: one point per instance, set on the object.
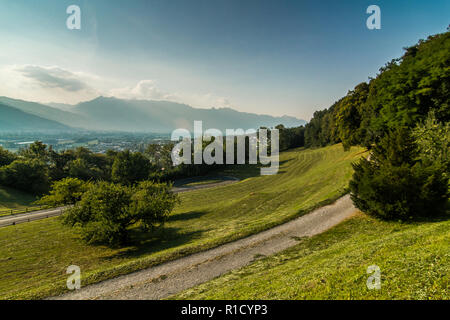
(34, 256)
(14, 199)
(414, 260)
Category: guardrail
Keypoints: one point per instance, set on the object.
(12, 212)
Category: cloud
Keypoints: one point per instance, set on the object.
(148, 90)
(53, 77)
(56, 84)
(47, 84)
(144, 90)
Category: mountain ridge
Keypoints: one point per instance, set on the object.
(134, 115)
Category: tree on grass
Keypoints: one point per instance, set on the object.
(64, 192)
(106, 211)
(396, 184)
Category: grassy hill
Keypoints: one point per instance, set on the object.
(34, 256)
(414, 260)
(14, 199)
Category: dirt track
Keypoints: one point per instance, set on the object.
(172, 277)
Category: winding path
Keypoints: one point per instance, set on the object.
(169, 278)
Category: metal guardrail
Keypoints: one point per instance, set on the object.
(12, 212)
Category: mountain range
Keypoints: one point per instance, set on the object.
(113, 114)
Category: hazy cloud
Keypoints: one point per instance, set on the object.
(56, 84)
(148, 90)
(53, 77)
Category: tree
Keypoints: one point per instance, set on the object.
(6, 157)
(36, 150)
(67, 191)
(29, 175)
(395, 184)
(129, 168)
(106, 211)
(433, 140)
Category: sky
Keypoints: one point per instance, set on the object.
(266, 57)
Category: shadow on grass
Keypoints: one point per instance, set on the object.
(142, 243)
(187, 216)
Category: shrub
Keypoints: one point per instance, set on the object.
(396, 184)
(64, 192)
(26, 175)
(6, 157)
(106, 211)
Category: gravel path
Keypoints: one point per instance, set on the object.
(172, 277)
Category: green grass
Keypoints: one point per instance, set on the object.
(414, 260)
(34, 256)
(201, 183)
(15, 200)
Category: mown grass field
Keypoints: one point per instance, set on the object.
(16, 200)
(34, 256)
(414, 261)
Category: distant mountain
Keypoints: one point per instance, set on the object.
(15, 120)
(165, 116)
(112, 114)
(44, 111)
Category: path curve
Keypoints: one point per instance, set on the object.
(172, 277)
(53, 212)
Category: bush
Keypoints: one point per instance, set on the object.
(26, 175)
(6, 157)
(129, 168)
(106, 211)
(395, 184)
(64, 192)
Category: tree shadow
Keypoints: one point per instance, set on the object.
(143, 243)
(186, 216)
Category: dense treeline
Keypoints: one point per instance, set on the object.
(402, 94)
(34, 168)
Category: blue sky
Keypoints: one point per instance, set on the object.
(270, 57)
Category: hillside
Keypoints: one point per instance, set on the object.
(414, 261)
(36, 254)
(112, 114)
(12, 119)
(43, 111)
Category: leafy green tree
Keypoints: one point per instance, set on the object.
(151, 203)
(394, 184)
(129, 168)
(433, 140)
(36, 150)
(6, 157)
(106, 211)
(29, 175)
(67, 191)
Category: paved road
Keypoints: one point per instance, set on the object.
(169, 278)
(43, 214)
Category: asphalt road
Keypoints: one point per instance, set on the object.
(47, 213)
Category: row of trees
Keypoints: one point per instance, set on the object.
(34, 168)
(402, 94)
